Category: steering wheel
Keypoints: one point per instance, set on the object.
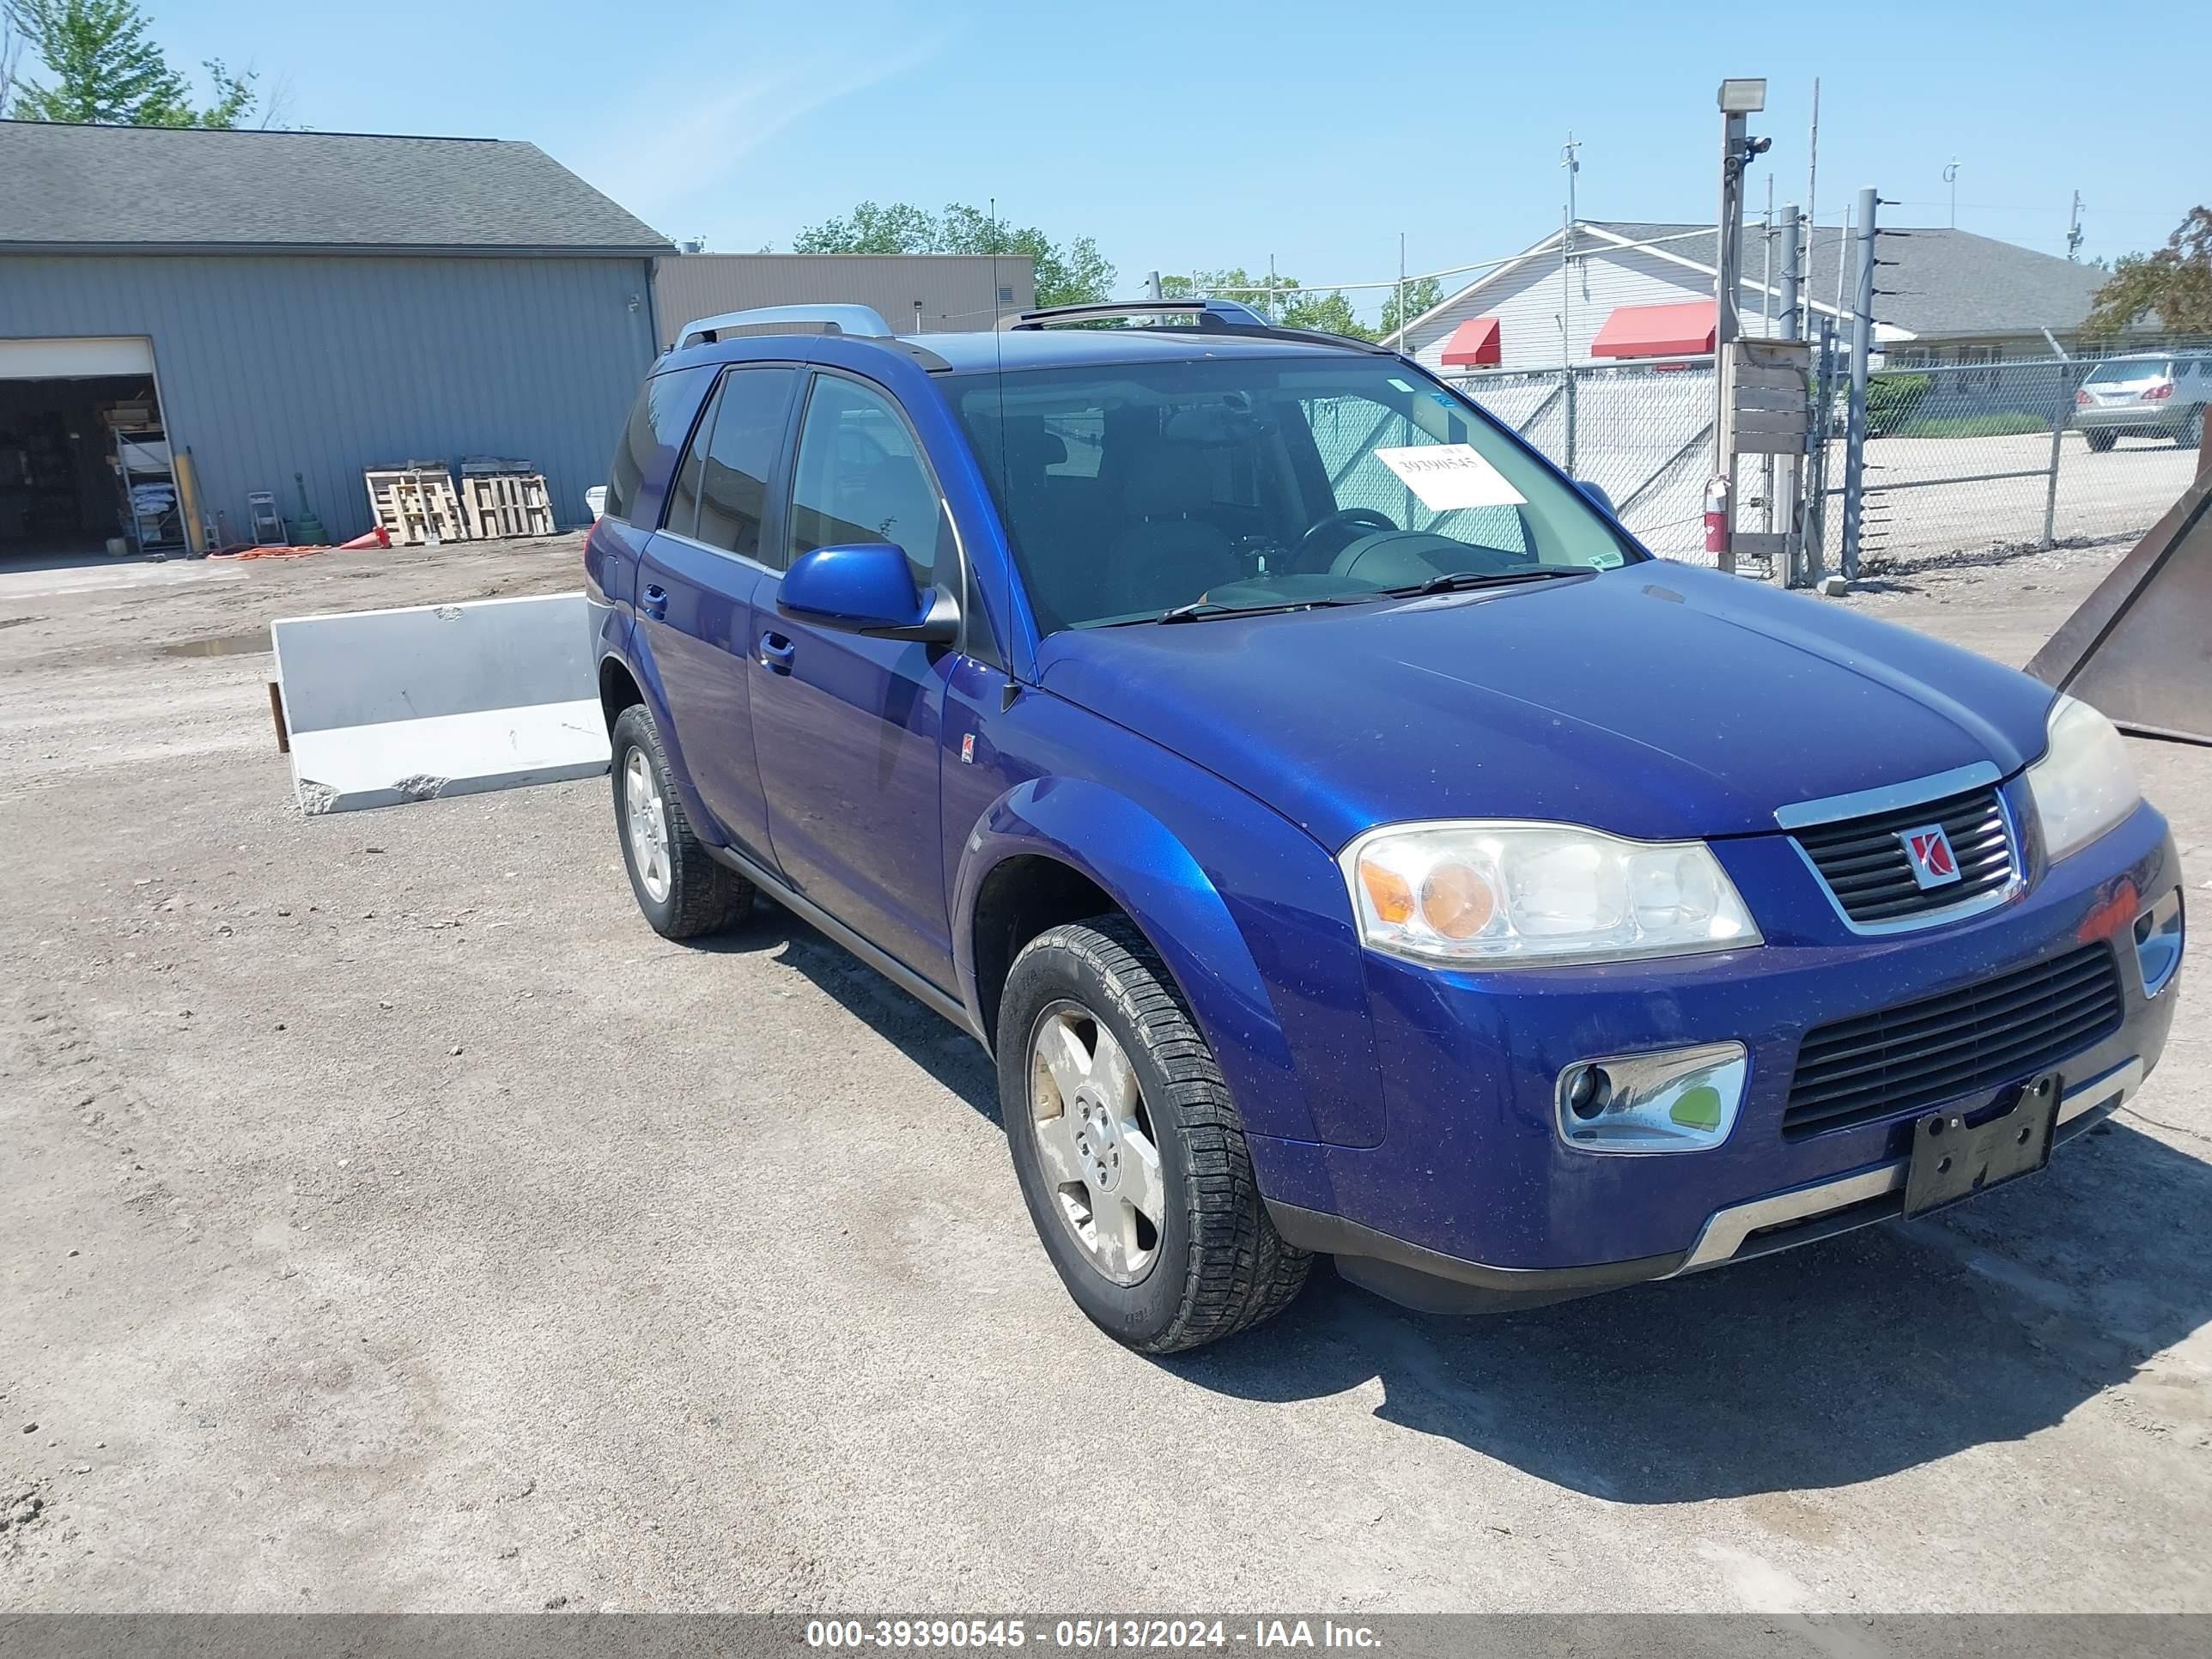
(1341, 520)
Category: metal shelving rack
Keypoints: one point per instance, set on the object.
(151, 505)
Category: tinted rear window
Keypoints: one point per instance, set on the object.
(2125, 372)
(666, 404)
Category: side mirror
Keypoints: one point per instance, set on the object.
(867, 588)
(1596, 493)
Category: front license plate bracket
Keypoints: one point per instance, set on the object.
(1952, 1159)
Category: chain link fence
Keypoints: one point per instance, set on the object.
(1962, 459)
(1996, 456)
(1641, 432)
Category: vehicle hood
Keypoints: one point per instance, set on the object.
(1657, 700)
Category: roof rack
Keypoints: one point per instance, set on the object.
(785, 319)
(1216, 314)
(1211, 316)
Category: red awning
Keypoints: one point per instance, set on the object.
(1473, 344)
(1657, 330)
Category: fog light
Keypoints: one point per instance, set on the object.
(1681, 1100)
(2158, 943)
(1588, 1095)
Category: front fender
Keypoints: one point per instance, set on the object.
(1165, 889)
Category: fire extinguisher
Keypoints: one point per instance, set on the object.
(1716, 514)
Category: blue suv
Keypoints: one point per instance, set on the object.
(1346, 838)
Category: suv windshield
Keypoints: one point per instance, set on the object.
(2124, 371)
(1233, 483)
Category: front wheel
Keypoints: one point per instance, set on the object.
(1129, 1152)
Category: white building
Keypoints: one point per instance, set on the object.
(1632, 290)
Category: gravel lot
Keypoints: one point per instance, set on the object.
(390, 1221)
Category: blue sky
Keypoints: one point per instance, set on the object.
(1198, 136)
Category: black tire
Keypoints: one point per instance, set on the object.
(1219, 1267)
(2190, 432)
(2100, 441)
(702, 897)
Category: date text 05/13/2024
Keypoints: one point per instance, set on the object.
(1080, 1635)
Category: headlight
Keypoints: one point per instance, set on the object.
(1505, 894)
(2083, 785)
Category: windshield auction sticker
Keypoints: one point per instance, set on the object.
(1446, 476)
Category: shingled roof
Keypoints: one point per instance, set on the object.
(1945, 281)
(1945, 284)
(118, 189)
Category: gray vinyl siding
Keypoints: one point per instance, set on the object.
(272, 365)
(957, 292)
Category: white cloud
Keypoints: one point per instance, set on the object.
(668, 154)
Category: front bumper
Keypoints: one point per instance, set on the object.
(1472, 1190)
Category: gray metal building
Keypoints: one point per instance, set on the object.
(921, 292)
(274, 304)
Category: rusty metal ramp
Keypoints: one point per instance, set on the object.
(2140, 647)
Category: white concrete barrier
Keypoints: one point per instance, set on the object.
(384, 707)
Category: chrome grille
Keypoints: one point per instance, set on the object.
(1865, 865)
(1922, 1053)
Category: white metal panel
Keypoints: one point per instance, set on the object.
(384, 707)
(76, 360)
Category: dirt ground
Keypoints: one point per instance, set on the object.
(390, 1221)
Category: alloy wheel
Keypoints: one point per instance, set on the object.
(648, 820)
(1096, 1142)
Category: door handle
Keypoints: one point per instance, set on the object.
(656, 601)
(776, 653)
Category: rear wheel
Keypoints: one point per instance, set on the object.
(2190, 432)
(1130, 1152)
(682, 891)
(2101, 441)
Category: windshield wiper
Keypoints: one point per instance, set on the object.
(1458, 580)
(1200, 609)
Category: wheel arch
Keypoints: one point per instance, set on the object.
(627, 681)
(1049, 852)
(618, 688)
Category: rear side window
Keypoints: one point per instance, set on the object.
(741, 453)
(657, 424)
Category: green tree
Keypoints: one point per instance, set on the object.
(1424, 295)
(107, 73)
(898, 229)
(1279, 297)
(1073, 273)
(2175, 283)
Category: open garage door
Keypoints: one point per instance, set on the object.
(85, 464)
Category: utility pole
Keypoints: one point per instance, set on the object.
(1570, 158)
(1739, 100)
(1789, 474)
(1951, 178)
(2074, 230)
(1402, 318)
(1862, 350)
(1811, 205)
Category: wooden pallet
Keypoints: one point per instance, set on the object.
(505, 504)
(416, 505)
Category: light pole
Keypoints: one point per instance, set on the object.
(1951, 178)
(1739, 100)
